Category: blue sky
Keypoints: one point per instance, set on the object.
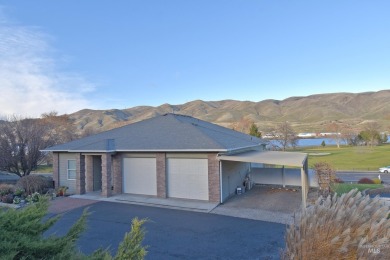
(70, 55)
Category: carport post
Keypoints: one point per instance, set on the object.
(303, 184)
(306, 168)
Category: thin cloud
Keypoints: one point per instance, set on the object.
(30, 81)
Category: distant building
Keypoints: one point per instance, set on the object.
(306, 135)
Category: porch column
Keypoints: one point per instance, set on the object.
(214, 184)
(89, 173)
(161, 175)
(56, 176)
(80, 174)
(117, 173)
(106, 174)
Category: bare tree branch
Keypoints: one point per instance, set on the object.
(285, 136)
(21, 142)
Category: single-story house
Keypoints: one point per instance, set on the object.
(168, 156)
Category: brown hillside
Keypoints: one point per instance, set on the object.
(310, 113)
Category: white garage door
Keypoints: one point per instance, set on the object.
(188, 178)
(139, 176)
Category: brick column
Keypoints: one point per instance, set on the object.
(89, 173)
(80, 174)
(117, 173)
(106, 174)
(161, 175)
(214, 184)
(56, 167)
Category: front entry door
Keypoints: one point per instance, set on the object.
(97, 173)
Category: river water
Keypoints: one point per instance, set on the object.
(317, 142)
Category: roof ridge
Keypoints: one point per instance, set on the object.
(196, 128)
(225, 132)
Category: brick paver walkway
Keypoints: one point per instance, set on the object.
(64, 204)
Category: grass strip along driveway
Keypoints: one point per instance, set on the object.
(341, 188)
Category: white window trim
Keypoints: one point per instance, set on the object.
(67, 172)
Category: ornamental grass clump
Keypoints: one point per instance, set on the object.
(352, 226)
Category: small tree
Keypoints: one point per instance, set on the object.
(370, 135)
(335, 130)
(323, 143)
(285, 135)
(254, 130)
(21, 142)
(21, 234)
(350, 136)
(61, 127)
(131, 247)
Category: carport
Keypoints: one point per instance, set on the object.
(289, 159)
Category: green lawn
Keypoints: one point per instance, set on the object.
(44, 169)
(350, 157)
(341, 188)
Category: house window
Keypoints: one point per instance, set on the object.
(71, 169)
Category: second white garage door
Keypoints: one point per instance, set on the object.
(187, 178)
(139, 176)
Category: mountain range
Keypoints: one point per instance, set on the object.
(306, 114)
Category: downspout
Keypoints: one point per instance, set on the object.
(220, 180)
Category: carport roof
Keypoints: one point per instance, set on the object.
(268, 157)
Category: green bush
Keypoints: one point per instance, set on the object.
(21, 236)
(9, 198)
(131, 247)
(6, 189)
(19, 192)
(34, 183)
(366, 181)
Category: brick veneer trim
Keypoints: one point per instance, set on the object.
(80, 174)
(89, 173)
(117, 173)
(106, 174)
(213, 176)
(56, 172)
(161, 175)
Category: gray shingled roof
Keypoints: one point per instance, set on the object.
(170, 132)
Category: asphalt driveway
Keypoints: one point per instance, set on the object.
(176, 234)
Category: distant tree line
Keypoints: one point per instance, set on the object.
(369, 136)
